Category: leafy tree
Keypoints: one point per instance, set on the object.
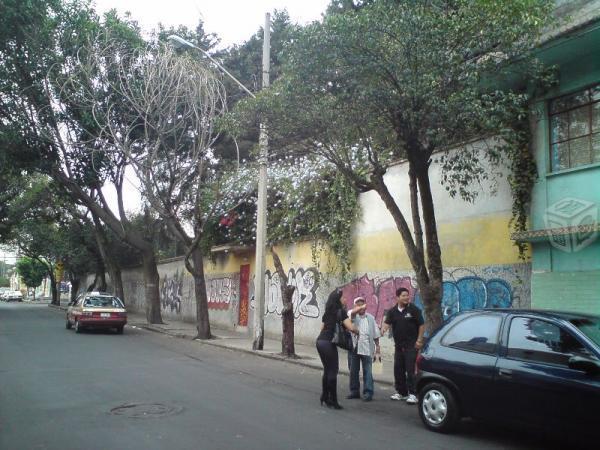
(32, 271)
(307, 202)
(199, 37)
(4, 282)
(44, 225)
(29, 225)
(166, 105)
(304, 194)
(397, 80)
(39, 43)
(341, 6)
(244, 61)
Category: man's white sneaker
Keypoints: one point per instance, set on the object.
(411, 399)
(396, 397)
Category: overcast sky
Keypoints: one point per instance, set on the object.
(234, 21)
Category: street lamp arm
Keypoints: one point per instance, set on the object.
(179, 42)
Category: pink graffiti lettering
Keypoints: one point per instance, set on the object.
(379, 296)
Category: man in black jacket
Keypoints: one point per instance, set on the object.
(408, 327)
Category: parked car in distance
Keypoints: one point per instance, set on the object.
(539, 369)
(13, 296)
(96, 310)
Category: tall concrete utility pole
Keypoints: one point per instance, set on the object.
(261, 208)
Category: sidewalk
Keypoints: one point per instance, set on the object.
(307, 354)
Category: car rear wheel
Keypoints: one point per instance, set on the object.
(119, 330)
(68, 324)
(78, 328)
(438, 408)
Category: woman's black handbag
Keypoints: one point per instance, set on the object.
(341, 337)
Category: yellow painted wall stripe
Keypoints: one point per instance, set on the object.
(481, 241)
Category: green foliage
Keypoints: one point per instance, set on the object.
(244, 62)
(32, 271)
(307, 201)
(42, 223)
(199, 37)
(383, 81)
(523, 174)
(4, 282)
(387, 81)
(319, 208)
(343, 6)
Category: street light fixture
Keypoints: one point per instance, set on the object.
(180, 42)
(261, 207)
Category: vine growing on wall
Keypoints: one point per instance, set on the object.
(522, 176)
(518, 142)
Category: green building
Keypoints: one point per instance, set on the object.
(564, 221)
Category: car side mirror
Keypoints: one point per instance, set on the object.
(586, 365)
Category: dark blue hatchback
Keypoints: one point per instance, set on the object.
(536, 368)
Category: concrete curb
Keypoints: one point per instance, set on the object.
(215, 343)
(62, 308)
(273, 356)
(301, 361)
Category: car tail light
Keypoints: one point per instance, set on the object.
(418, 361)
(120, 314)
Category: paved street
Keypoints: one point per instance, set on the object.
(144, 390)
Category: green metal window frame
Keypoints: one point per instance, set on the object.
(574, 129)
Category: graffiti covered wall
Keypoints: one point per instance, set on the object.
(463, 289)
(171, 292)
(482, 266)
(306, 282)
(222, 291)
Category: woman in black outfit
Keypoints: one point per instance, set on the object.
(334, 312)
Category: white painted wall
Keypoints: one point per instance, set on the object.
(494, 197)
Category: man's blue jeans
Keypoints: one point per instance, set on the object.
(354, 362)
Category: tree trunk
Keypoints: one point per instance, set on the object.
(288, 348)
(102, 277)
(428, 271)
(92, 286)
(151, 283)
(99, 283)
(431, 294)
(202, 320)
(117, 282)
(54, 291)
(121, 228)
(75, 283)
(114, 271)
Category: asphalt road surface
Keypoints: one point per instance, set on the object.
(142, 390)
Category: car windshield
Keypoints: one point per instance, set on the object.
(102, 302)
(590, 326)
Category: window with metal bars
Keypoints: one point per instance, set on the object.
(575, 129)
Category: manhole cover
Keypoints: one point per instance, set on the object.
(145, 410)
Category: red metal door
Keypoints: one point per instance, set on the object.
(244, 280)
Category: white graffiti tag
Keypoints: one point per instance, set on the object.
(170, 292)
(304, 299)
(221, 291)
